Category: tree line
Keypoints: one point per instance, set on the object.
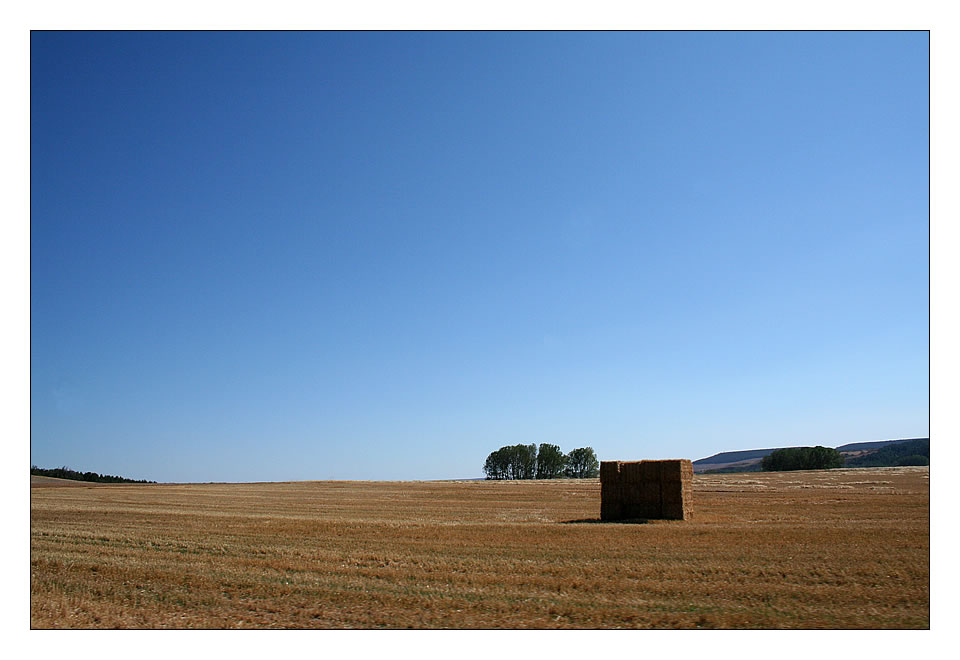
(544, 462)
(912, 452)
(67, 473)
(802, 458)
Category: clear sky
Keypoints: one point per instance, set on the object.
(271, 256)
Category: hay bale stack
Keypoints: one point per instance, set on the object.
(636, 501)
(611, 498)
(646, 489)
(609, 471)
(676, 484)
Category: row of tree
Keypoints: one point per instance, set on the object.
(67, 473)
(545, 462)
(912, 452)
(802, 458)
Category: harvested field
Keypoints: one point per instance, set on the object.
(36, 481)
(832, 549)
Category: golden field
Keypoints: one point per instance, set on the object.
(826, 549)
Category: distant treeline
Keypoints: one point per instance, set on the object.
(802, 458)
(67, 473)
(895, 454)
(527, 462)
(914, 452)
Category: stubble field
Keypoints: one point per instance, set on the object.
(832, 549)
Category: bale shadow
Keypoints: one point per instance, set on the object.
(598, 521)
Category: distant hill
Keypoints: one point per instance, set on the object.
(733, 461)
(735, 456)
(858, 454)
(862, 446)
(906, 452)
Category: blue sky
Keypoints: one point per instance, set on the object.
(270, 256)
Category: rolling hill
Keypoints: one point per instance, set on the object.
(749, 460)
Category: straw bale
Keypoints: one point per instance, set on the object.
(671, 471)
(649, 492)
(611, 494)
(646, 510)
(630, 472)
(646, 489)
(673, 492)
(628, 509)
(650, 470)
(676, 512)
(630, 492)
(651, 510)
(610, 482)
(609, 471)
(611, 509)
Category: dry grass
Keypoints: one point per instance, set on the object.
(837, 549)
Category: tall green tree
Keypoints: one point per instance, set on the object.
(497, 465)
(550, 462)
(582, 463)
(524, 463)
(512, 462)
